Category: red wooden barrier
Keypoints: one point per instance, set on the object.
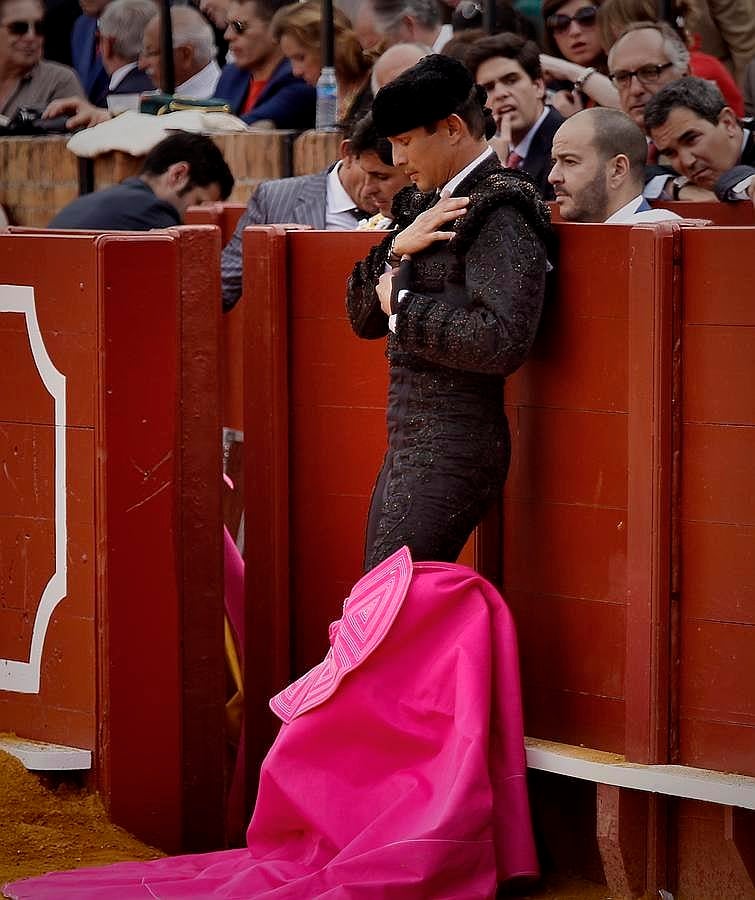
(226, 217)
(114, 484)
(717, 510)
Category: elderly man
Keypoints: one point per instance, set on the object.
(394, 61)
(259, 84)
(458, 289)
(122, 27)
(194, 66)
(703, 140)
(508, 68)
(181, 171)
(25, 78)
(407, 21)
(599, 169)
(645, 57)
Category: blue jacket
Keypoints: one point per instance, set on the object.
(88, 65)
(287, 100)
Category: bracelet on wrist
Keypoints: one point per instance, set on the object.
(580, 82)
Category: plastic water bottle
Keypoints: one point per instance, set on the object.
(327, 100)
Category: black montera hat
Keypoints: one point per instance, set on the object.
(431, 90)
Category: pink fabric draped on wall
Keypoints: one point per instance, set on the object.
(400, 771)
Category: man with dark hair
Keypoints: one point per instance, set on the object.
(508, 67)
(259, 84)
(703, 140)
(599, 169)
(458, 289)
(181, 171)
(383, 180)
(332, 200)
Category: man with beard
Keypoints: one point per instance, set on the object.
(599, 169)
(458, 290)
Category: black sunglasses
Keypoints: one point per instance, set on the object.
(559, 22)
(238, 26)
(20, 28)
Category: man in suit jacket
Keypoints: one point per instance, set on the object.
(122, 27)
(508, 67)
(259, 85)
(701, 137)
(333, 200)
(85, 53)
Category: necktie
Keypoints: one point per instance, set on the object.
(652, 154)
(513, 160)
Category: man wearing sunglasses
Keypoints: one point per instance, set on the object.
(259, 84)
(25, 78)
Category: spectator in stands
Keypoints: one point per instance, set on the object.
(259, 83)
(411, 21)
(645, 57)
(298, 27)
(216, 11)
(599, 169)
(122, 27)
(727, 31)
(395, 60)
(468, 14)
(181, 171)
(458, 290)
(25, 78)
(85, 51)
(365, 28)
(574, 64)
(334, 199)
(615, 16)
(701, 137)
(196, 71)
(508, 67)
(383, 180)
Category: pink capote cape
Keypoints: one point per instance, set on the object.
(399, 771)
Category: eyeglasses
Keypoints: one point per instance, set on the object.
(560, 22)
(18, 29)
(238, 26)
(645, 75)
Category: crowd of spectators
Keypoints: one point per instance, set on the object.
(684, 91)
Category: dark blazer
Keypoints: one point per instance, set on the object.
(85, 60)
(287, 100)
(538, 162)
(134, 83)
(744, 169)
(128, 206)
(301, 200)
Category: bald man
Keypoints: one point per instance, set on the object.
(599, 169)
(395, 60)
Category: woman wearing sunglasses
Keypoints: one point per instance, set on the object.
(25, 78)
(575, 63)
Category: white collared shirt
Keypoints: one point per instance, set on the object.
(523, 147)
(628, 214)
(339, 205)
(201, 85)
(117, 77)
(451, 186)
(444, 36)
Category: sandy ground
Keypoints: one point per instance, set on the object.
(46, 829)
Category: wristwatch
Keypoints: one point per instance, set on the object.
(579, 82)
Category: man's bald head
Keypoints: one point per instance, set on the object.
(395, 60)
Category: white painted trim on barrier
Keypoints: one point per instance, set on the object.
(39, 756)
(17, 675)
(611, 768)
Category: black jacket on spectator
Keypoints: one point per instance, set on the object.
(128, 206)
(745, 168)
(538, 162)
